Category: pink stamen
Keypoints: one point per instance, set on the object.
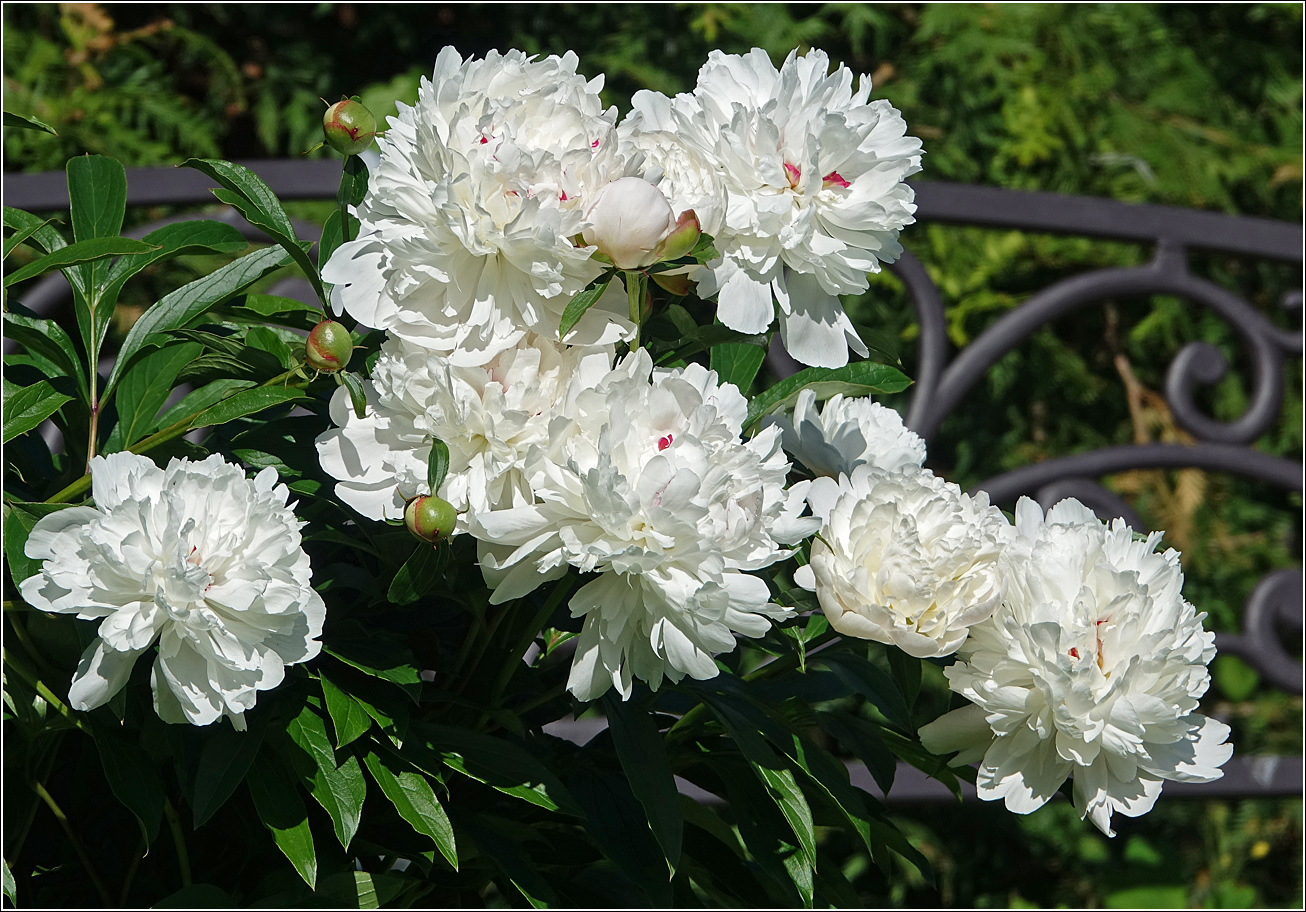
(484, 140)
(834, 180)
(595, 144)
(1074, 653)
(563, 198)
(664, 442)
(793, 174)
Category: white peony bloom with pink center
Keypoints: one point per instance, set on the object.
(814, 195)
(489, 416)
(467, 231)
(1092, 669)
(196, 558)
(646, 481)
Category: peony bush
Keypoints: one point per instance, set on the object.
(515, 466)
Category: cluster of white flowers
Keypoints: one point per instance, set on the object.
(195, 557)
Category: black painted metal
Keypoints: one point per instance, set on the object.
(1274, 608)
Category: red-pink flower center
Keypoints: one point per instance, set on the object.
(793, 174)
(834, 180)
(664, 442)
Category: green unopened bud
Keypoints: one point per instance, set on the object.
(348, 127)
(682, 238)
(431, 519)
(329, 347)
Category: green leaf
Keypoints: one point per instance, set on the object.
(265, 339)
(862, 378)
(47, 339)
(582, 302)
(437, 465)
(10, 888)
(353, 384)
(27, 407)
(415, 801)
(133, 780)
(643, 756)
(864, 741)
(511, 860)
(361, 890)
(19, 519)
(200, 399)
(274, 305)
(380, 658)
(143, 391)
(180, 308)
(87, 251)
(282, 811)
(615, 823)
(340, 789)
(246, 402)
(224, 759)
(348, 718)
(46, 236)
(1158, 896)
(353, 182)
(907, 673)
(497, 762)
(737, 363)
(418, 574)
(254, 199)
(862, 677)
(771, 770)
(24, 122)
(1235, 677)
(22, 235)
(332, 237)
(768, 835)
(97, 192)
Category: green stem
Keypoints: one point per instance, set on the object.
(46, 694)
(635, 299)
(542, 698)
(178, 840)
(480, 651)
(20, 631)
(131, 874)
(561, 591)
(75, 841)
(171, 432)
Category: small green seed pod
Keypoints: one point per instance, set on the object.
(348, 127)
(329, 347)
(431, 519)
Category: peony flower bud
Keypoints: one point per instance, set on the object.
(348, 127)
(629, 219)
(675, 282)
(431, 519)
(329, 347)
(682, 238)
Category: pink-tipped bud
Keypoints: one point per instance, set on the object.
(432, 519)
(329, 347)
(682, 238)
(348, 127)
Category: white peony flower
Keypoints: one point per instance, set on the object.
(814, 196)
(1092, 668)
(848, 433)
(489, 416)
(465, 241)
(646, 482)
(904, 558)
(628, 220)
(196, 557)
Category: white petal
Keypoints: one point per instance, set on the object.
(101, 673)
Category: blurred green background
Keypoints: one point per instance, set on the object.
(1194, 106)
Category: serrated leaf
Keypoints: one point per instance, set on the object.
(348, 718)
(340, 789)
(862, 378)
(133, 780)
(224, 760)
(414, 799)
(26, 408)
(24, 122)
(179, 308)
(282, 811)
(88, 251)
(437, 464)
(580, 303)
(643, 757)
(737, 363)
